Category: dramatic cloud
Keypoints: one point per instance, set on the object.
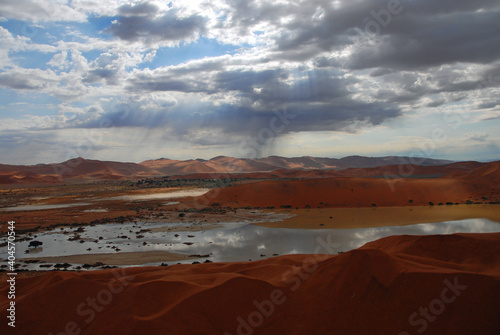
(145, 23)
(205, 76)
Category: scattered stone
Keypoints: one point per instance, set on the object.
(62, 265)
(35, 244)
(199, 256)
(29, 261)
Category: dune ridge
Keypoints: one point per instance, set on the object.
(80, 169)
(475, 185)
(441, 284)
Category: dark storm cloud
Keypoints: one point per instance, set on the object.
(144, 22)
(229, 121)
(318, 101)
(423, 34)
(433, 41)
(144, 8)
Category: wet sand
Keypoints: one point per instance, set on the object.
(119, 258)
(347, 218)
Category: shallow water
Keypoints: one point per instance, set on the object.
(234, 242)
(42, 207)
(167, 195)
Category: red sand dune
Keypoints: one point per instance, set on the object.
(26, 177)
(87, 169)
(443, 284)
(390, 172)
(353, 192)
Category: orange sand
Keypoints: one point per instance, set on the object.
(380, 288)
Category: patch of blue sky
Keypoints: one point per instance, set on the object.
(52, 32)
(92, 54)
(17, 27)
(31, 59)
(203, 47)
(95, 26)
(39, 33)
(17, 105)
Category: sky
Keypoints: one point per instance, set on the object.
(136, 80)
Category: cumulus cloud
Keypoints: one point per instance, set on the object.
(41, 11)
(144, 22)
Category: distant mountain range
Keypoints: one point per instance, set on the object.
(240, 165)
(80, 168)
